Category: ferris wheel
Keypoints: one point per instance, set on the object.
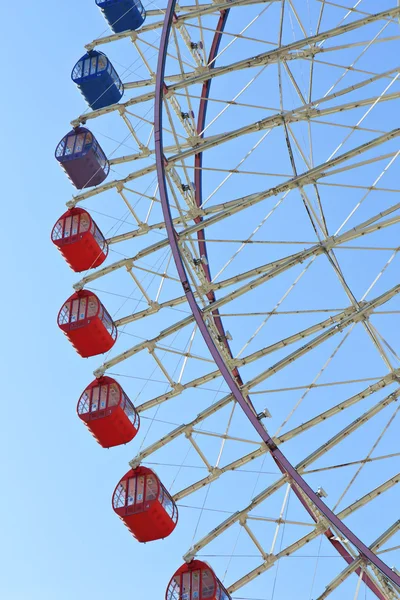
(236, 229)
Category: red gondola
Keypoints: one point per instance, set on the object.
(108, 413)
(144, 505)
(196, 581)
(87, 324)
(79, 240)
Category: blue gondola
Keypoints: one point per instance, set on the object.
(123, 15)
(97, 80)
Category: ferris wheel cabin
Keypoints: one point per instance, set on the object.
(196, 581)
(82, 158)
(87, 324)
(144, 505)
(97, 80)
(108, 413)
(123, 15)
(79, 240)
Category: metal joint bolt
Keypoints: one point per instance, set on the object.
(215, 471)
(144, 227)
(99, 372)
(134, 463)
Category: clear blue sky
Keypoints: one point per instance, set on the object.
(59, 538)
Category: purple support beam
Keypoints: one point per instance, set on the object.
(283, 464)
(201, 121)
(198, 162)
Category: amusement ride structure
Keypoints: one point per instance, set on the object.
(236, 230)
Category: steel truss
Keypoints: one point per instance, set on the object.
(187, 215)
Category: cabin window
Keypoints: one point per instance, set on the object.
(129, 410)
(100, 156)
(116, 79)
(74, 311)
(186, 586)
(140, 7)
(113, 395)
(84, 224)
(70, 145)
(79, 143)
(140, 490)
(166, 501)
(195, 585)
(78, 310)
(107, 322)
(84, 403)
(82, 309)
(77, 72)
(99, 397)
(67, 230)
(151, 488)
(58, 230)
(60, 148)
(174, 589)
(64, 314)
(75, 224)
(99, 238)
(102, 64)
(131, 491)
(92, 307)
(120, 495)
(95, 399)
(208, 584)
(93, 65)
(103, 397)
(86, 67)
(70, 226)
